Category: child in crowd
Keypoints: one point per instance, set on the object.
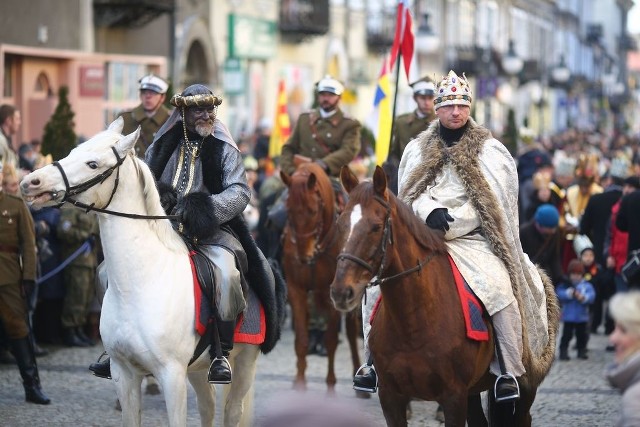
(575, 297)
(599, 278)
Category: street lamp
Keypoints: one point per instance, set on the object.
(427, 40)
(561, 73)
(511, 62)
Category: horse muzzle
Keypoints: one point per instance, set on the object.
(344, 297)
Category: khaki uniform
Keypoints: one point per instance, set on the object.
(334, 140)
(74, 228)
(17, 262)
(407, 127)
(148, 125)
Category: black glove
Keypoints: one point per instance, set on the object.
(27, 288)
(439, 219)
(197, 216)
(168, 197)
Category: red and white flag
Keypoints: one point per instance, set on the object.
(403, 40)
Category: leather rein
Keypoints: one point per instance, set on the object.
(387, 239)
(82, 187)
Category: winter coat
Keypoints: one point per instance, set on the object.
(625, 376)
(574, 310)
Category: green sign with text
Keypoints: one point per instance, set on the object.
(251, 38)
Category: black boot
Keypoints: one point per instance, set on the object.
(26, 360)
(83, 337)
(220, 369)
(564, 354)
(71, 339)
(313, 341)
(367, 381)
(321, 349)
(102, 369)
(582, 354)
(506, 389)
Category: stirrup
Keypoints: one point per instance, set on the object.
(226, 362)
(365, 388)
(510, 397)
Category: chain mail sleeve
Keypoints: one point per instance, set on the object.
(236, 192)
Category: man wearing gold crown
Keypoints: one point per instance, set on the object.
(463, 182)
(201, 178)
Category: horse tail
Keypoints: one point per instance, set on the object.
(541, 366)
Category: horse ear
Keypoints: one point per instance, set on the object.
(380, 181)
(285, 178)
(117, 125)
(127, 142)
(348, 179)
(311, 182)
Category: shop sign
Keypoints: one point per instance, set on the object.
(92, 80)
(251, 38)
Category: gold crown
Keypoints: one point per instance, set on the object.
(453, 90)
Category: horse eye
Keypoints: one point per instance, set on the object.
(92, 165)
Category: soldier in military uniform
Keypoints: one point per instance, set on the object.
(330, 138)
(17, 278)
(150, 115)
(74, 229)
(408, 126)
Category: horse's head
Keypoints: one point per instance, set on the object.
(366, 229)
(310, 209)
(82, 172)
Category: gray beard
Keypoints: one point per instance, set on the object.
(204, 130)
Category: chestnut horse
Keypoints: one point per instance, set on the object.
(417, 338)
(310, 247)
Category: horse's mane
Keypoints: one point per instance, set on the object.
(298, 187)
(424, 236)
(152, 204)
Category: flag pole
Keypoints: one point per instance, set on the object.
(395, 99)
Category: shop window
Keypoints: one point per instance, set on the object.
(43, 87)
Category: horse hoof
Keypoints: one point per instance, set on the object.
(363, 395)
(152, 389)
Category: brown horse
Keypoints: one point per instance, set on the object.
(417, 337)
(310, 247)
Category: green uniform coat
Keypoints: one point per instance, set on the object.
(334, 140)
(406, 128)
(148, 125)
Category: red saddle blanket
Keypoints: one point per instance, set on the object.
(251, 327)
(471, 307)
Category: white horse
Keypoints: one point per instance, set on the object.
(148, 321)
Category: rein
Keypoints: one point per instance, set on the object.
(322, 242)
(387, 239)
(82, 187)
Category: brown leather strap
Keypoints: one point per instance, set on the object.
(315, 135)
(9, 249)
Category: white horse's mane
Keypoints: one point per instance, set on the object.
(165, 231)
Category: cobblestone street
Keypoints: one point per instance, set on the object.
(574, 394)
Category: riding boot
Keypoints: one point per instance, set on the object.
(70, 338)
(321, 349)
(313, 341)
(220, 369)
(26, 361)
(102, 369)
(83, 337)
(506, 389)
(367, 381)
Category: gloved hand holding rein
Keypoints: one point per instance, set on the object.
(197, 218)
(439, 219)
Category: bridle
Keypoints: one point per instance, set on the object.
(82, 187)
(387, 239)
(321, 244)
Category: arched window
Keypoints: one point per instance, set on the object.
(42, 85)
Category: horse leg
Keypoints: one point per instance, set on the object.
(353, 328)
(394, 407)
(524, 404)
(205, 397)
(173, 379)
(129, 391)
(475, 414)
(331, 343)
(455, 409)
(244, 358)
(300, 315)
